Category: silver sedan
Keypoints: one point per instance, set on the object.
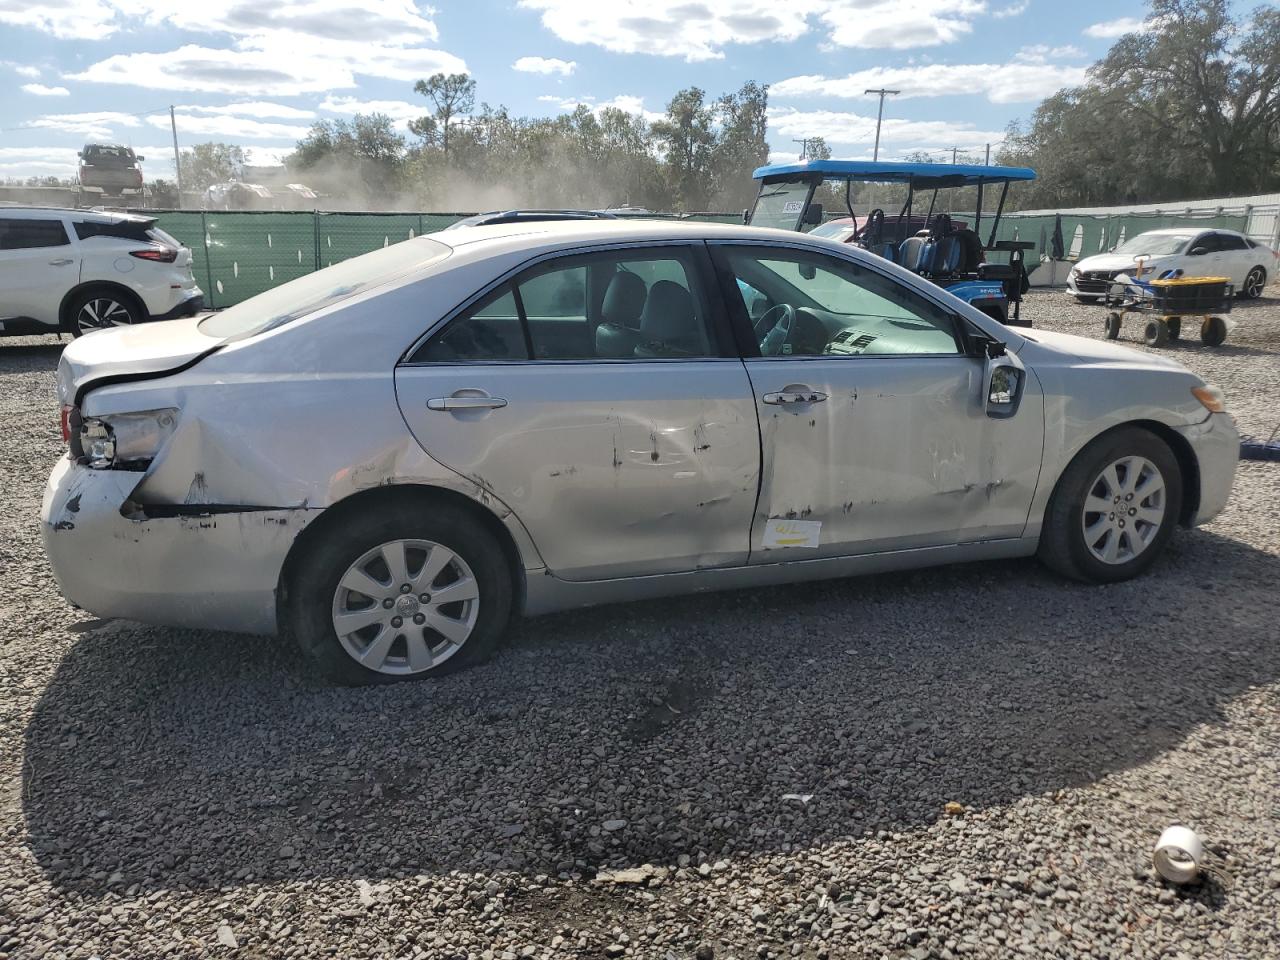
(391, 458)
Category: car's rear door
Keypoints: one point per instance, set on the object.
(599, 397)
(1236, 256)
(38, 265)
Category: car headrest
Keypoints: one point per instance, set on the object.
(668, 312)
(624, 300)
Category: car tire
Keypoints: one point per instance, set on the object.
(1254, 284)
(1213, 331)
(1076, 540)
(1155, 333)
(1112, 325)
(400, 641)
(101, 310)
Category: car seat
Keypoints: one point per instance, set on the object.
(624, 302)
(668, 324)
(911, 252)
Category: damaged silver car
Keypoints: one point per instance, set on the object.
(391, 458)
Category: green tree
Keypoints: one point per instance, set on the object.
(208, 163)
(453, 95)
(740, 146)
(686, 139)
(363, 156)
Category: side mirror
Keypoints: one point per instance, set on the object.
(1004, 383)
(1199, 251)
(813, 215)
(139, 158)
(80, 154)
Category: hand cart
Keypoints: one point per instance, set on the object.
(1166, 302)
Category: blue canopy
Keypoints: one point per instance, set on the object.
(922, 175)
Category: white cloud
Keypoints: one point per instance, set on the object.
(544, 65)
(896, 136)
(40, 90)
(261, 109)
(22, 69)
(1042, 52)
(1013, 10)
(233, 129)
(65, 19)
(698, 30)
(401, 111)
(623, 102)
(272, 156)
(1111, 29)
(93, 126)
(998, 82)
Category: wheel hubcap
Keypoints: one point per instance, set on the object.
(1253, 285)
(1123, 510)
(405, 607)
(102, 312)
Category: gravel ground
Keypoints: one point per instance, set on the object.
(967, 761)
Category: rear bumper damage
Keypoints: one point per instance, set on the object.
(205, 568)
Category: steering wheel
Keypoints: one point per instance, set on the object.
(774, 329)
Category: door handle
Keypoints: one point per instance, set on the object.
(466, 403)
(61, 262)
(794, 396)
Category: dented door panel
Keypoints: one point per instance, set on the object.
(616, 469)
(894, 458)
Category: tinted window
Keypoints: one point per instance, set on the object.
(1207, 242)
(140, 230)
(1227, 241)
(26, 234)
(805, 304)
(621, 305)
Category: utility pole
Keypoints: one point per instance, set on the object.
(987, 162)
(804, 146)
(954, 151)
(177, 160)
(875, 155)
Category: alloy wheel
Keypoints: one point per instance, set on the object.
(1254, 283)
(405, 607)
(100, 313)
(1124, 510)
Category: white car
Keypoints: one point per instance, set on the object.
(75, 271)
(1197, 253)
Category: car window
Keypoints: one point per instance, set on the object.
(143, 231)
(620, 305)
(1229, 241)
(821, 306)
(1207, 242)
(28, 234)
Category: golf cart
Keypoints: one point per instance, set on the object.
(950, 255)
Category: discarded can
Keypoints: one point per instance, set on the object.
(1178, 855)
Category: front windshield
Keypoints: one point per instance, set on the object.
(1155, 244)
(780, 205)
(840, 230)
(297, 298)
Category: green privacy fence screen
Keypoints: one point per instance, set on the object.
(1085, 235)
(238, 254)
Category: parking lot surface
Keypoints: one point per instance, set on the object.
(973, 761)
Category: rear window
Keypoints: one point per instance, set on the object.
(323, 288)
(144, 231)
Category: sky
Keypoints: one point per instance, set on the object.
(237, 71)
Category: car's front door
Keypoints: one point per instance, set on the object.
(599, 397)
(38, 265)
(874, 434)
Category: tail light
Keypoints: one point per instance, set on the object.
(158, 254)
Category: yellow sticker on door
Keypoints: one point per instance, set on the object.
(781, 532)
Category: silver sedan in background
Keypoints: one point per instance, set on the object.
(390, 458)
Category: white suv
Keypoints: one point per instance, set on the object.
(77, 271)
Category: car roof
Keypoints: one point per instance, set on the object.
(1173, 231)
(105, 216)
(553, 233)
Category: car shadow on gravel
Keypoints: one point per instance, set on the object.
(636, 734)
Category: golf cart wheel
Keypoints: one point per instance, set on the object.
(1213, 330)
(1112, 325)
(1156, 333)
(1175, 327)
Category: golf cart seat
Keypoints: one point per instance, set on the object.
(624, 301)
(946, 256)
(911, 252)
(885, 249)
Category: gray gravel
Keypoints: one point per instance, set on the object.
(971, 761)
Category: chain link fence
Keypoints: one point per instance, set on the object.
(239, 254)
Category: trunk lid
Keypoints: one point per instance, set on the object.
(130, 353)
